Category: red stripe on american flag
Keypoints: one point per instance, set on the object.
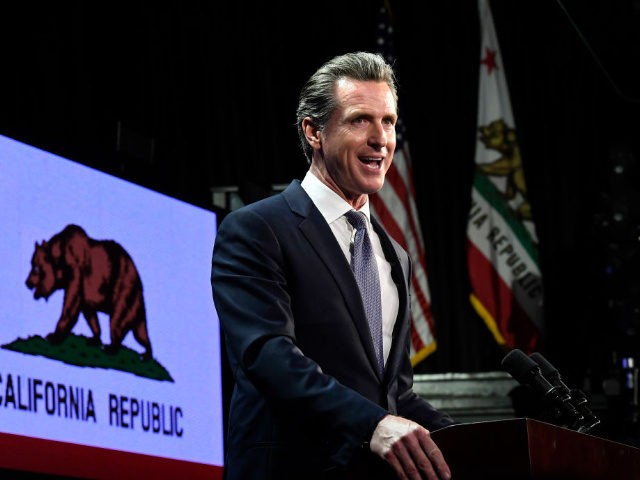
(424, 303)
(389, 222)
(422, 319)
(416, 340)
(396, 181)
(386, 217)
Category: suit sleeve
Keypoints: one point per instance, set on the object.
(414, 407)
(252, 300)
(411, 405)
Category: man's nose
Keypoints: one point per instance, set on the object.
(378, 135)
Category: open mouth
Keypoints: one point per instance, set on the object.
(374, 163)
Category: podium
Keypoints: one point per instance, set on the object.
(523, 448)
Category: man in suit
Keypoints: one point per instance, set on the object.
(310, 399)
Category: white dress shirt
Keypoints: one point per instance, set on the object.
(333, 207)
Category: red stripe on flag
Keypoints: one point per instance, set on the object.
(390, 224)
(70, 460)
(515, 326)
(416, 340)
(386, 218)
(401, 202)
(397, 182)
(394, 230)
(424, 303)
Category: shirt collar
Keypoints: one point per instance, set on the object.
(330, 204)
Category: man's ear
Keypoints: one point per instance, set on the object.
(312, 133)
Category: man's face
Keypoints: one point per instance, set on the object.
(357, 144)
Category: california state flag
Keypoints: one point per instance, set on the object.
(506, 284)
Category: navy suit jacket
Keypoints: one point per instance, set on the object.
(307, 396)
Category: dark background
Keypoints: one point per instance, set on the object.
(184, 96)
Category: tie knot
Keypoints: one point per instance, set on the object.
(357, 219)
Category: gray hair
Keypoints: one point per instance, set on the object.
(317, 97)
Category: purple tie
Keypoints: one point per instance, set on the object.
(363, 264)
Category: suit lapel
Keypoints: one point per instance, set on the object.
(318, 233)
(400, 275)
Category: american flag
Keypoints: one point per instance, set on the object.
(395, 207)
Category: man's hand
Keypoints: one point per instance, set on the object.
(409, 449)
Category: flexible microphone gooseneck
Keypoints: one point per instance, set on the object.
(578, 398)
(528, 372)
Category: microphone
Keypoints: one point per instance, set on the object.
(528, 372)
(578, 398)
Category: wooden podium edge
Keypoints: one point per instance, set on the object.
(524, 448)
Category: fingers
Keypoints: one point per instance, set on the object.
(435, 456)
(415, 461)
(409, 449)
(409, 461)
(416, 465)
